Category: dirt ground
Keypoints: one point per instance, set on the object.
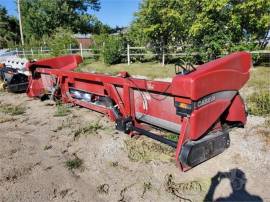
(38, 151)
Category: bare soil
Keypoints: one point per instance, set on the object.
(35, 147)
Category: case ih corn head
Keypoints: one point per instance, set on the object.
(198, 105)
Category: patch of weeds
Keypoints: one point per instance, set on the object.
(181, 189)
(61, 110)
(147, 186)
(47, 147)
(89, 129)
(172, 136)
(259, 103)
(142, 150)
(75, 163)
(103, 189)
(12, 110)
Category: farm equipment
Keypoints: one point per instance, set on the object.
(14, 75)
(199, 105)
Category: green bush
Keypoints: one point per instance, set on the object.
(109, 48)
(112, 50)
(97, 47)
(259, 103)
(60, 41)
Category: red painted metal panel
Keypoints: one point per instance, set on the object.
(228, 73)
(237, 111)
(205, 117)
(159, 106)
(67, 62)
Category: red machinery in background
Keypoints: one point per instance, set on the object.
(198, 105)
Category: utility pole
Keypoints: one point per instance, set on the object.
(20, 21)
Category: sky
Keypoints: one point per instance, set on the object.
(112, 12)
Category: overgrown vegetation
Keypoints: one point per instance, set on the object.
(147, 150)
(12, 110)
(259, 84)
(109, 48)
(259, 103)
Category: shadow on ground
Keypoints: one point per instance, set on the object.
(238, 183)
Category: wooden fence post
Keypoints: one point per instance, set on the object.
(32, 52)
(128, 54)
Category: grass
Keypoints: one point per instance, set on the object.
(147, 150)
(89, 129)
(259, 78)
(61, 110)
(75, 163)
(172, 136)
(12, 110)
(258, 100)
(150, 69)
(259, 103)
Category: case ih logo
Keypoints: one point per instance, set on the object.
(206, 100)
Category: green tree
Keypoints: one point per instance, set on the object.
(109, 48)
(9, 29)
(43, 17)
(229, 25)
(210, 27)
(97, 27)
(61, 41)
(161, 22)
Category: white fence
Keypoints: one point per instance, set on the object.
(130, 53)
(44, 51)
